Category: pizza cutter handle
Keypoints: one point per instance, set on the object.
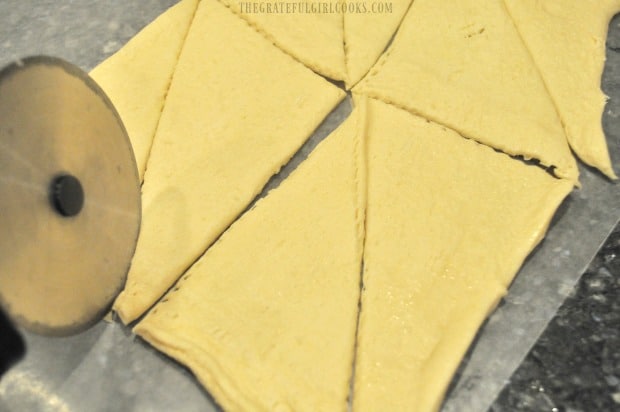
(12, 347)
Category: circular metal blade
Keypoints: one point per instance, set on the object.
(62, 259)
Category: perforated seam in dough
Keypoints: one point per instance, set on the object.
(359, 153)
(309, 65)
(385, 55)
(574, 151)
(170, 80)
(533, 162)
(359, 150)
(535, 65)
(345, 48)
(178, 284)
(376, 67)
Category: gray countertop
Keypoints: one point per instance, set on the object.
(575, 364)
(108, 369)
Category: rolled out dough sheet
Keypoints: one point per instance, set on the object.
(266, 318)
(137, 77)
(448, 224)
(312, 32)
(367, 32)
(238, 108)
(338, 40)
(463, 64)
(567, 42)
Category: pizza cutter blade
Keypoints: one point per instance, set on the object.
(70, 197)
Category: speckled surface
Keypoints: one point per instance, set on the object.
(575, 365)
(82, 32)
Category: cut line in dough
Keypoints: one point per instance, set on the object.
(313, 38)
(366, 36)
(219, 140)
(464, 65)
(448, 224)
(137, 77)
(266, 318)
(567, 43)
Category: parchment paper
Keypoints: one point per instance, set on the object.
(108, 369)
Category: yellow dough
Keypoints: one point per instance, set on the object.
(308, 30)
(567, 42)
(367, 32)
(266, 318)
(448, 224)
(462, 64)
(238, 108)
(137, 77)
(217, 95)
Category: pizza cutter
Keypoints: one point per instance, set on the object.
(69, 203)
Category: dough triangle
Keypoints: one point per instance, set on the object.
(137, 77)
(238, 108)
(266, 318)
(308, 30)
(367, 32)
(567, 42)
(463, 64)
(448, 224)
